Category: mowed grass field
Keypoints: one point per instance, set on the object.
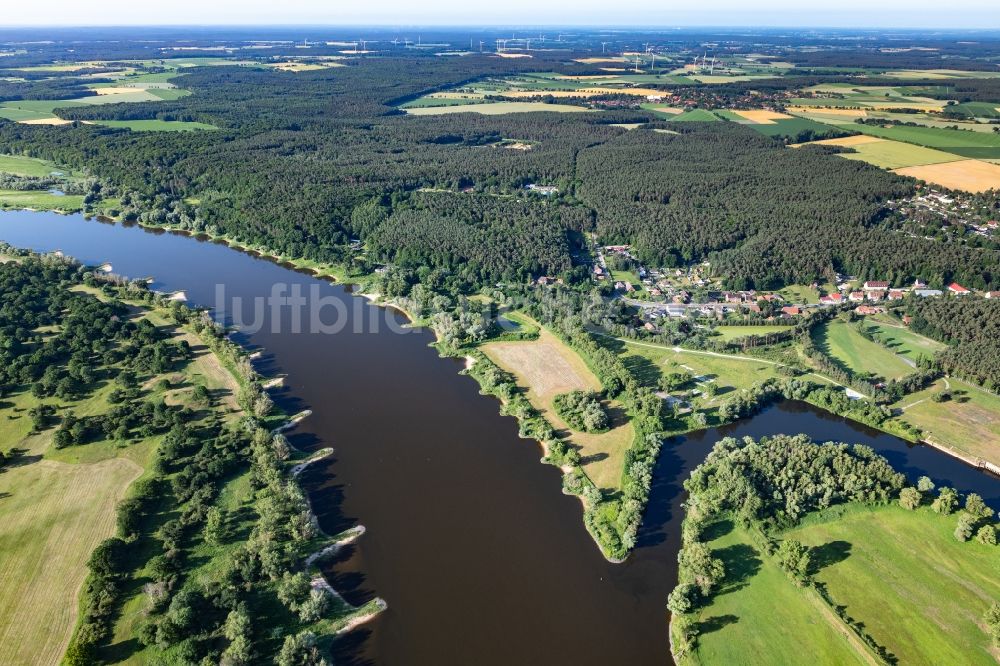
(918, 591)
(842, 341)
(547, 367)
(760, 617)
(54, 515)
(902, 340)
(969, 423)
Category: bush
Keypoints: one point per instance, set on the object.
(582, 411)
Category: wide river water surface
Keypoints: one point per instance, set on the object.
(480, 557)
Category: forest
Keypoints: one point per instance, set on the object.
(971, 328)
(301, 158)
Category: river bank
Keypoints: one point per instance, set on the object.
(416, 439)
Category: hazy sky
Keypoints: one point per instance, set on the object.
(846, 13)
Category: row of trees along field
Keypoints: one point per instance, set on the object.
(298, 154)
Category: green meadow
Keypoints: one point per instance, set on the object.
(919, 592)
(157, 125)
(26, 166)
(844, 344)
(916, 590)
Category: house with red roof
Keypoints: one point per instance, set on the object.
(958, 289)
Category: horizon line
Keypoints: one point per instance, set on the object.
(499, 26)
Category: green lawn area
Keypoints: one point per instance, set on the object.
(968, 423)
(734, 332)
(40, 200)
(841, 341)
(760, 617)
(648, 363)
(800, 293)
(959, 142)
(157, 125)
(904, 341)
(26, 166)
(897, 154)
(918, 591)
(627, 276)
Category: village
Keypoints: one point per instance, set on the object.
(662, 294)
(952, 216)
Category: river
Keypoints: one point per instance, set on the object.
(479, 556)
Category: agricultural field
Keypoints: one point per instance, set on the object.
(759, 611)
(895, 154)
(54, 515)
(129, 86)
(918, 591)
(848, 96)
(842, 342)
(969, 422)
(901, 574)
(761, 116)
(968, 175)
(495, 108)
(795, 128)
(959, 142)
(696, 115)
(547, 367)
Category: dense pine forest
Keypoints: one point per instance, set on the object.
(300, 157)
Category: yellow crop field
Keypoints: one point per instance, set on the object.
(967, 175)
(761, 116)
(675, 110)
(847, 113)
(46, 121)
(848, 141)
